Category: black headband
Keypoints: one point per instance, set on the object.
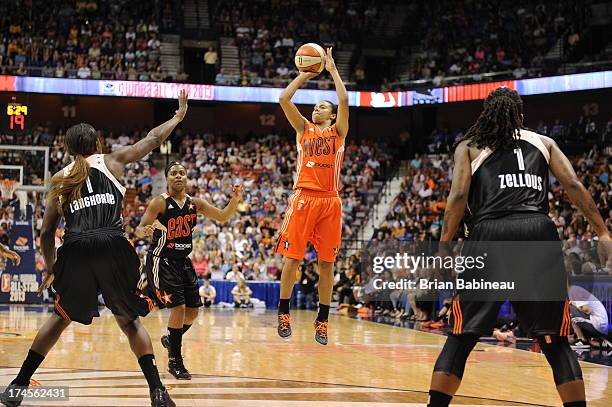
(172, 164)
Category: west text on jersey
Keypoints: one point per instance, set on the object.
(320, 146)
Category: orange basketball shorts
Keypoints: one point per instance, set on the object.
(311, 216)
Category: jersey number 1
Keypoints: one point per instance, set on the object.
(519, 158)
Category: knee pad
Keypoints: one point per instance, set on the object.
(454, 355)
(561, 358)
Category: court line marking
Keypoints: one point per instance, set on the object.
(482, 343)
(512, 402)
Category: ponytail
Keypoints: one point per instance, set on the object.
(81, 140)
(67, 188)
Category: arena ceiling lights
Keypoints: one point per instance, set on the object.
(161, 90)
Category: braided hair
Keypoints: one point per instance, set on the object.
(499, 124)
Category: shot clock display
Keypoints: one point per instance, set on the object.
(16, 116)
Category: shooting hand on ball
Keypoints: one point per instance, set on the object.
(308, 75)
(330, 65)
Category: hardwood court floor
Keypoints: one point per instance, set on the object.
(238, 360)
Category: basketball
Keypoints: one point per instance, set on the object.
(310, 58)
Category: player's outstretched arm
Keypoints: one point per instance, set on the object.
(342, 118)
(116, 160)
(220, 215)
(458, 196)
(562, 169)
(148, 222)
(297, 121)
(9, 254)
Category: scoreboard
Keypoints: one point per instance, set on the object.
(15, 116)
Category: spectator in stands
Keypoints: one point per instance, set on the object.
(349, 281)
(200, 265)
(210, 65)
(235, 274)
(181, 77)
(221, 78)
(208, 293)
(589, 319)
(475, 37)
(81, 40)
(308, 283)
(242, 295)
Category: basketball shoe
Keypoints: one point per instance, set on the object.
(177, 369)
(7, 399)
(175, 365)
(161, 398)
(321, 331)
(284, 325)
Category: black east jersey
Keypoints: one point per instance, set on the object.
(100, 205)
(506, 182)
(176, 240)
(172, 280)
(95, 257)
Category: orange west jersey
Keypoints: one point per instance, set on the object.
(319, 161)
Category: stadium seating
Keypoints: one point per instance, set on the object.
(263, 166)
(98, 40)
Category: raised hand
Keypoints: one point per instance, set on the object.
(12, 256)
(182, 110)
(330, 65)
(237, 192)
(46, 283)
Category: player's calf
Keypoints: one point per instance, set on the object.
(566, 370)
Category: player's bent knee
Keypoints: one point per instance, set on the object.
(191, 313)
(454, 355)
(561, 358)
(60, 320)
(127, 324)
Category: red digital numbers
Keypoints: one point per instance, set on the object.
(17, 121)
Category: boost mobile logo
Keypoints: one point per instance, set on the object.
(22, 244)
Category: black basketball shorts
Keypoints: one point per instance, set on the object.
(536, 317)
(98, 264)
(172, 281)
